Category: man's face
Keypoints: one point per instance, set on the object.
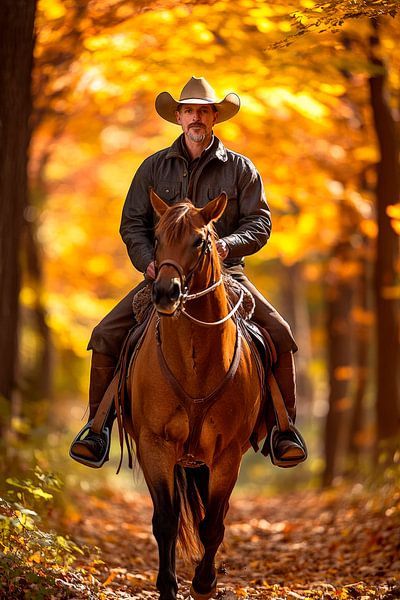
(197, 121)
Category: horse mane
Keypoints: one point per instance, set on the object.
(176, 221)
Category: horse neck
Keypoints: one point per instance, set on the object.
(198, 348)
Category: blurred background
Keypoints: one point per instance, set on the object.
(320, 89)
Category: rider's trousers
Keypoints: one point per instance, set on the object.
(109, 335)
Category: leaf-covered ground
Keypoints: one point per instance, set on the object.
(338, 544)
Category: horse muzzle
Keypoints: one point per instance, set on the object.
(166, 295)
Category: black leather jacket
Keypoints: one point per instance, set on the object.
(246, 223)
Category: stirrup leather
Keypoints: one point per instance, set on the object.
(106, 431)
(288, 462)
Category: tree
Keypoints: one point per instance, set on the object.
(16, 57)
(387, 253)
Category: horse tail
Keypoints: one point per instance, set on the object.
(190, 488)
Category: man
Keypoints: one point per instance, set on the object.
(197, 166)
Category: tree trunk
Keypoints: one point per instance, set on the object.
(16, 57)
(359, 440)
(340, 290)
(295, 309)
(387, 257)
(41, 383)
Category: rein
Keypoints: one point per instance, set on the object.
(178, 387)
(211, 323)
(185, 297)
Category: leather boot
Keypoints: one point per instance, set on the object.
(287, 445)
(285, 375)
(94, 448)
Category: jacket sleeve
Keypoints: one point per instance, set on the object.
(254, 215)
(137, 219)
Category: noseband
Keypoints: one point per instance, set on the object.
(185, 279)
(185, 283)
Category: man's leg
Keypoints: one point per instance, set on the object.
(285, 375)
(94, 447)
(286, 444)
(106, 343)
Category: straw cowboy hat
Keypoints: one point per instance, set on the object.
(197, 91)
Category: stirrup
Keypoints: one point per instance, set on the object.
(86, 461)
(287, 462)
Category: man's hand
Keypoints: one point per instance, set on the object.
(222, 249)
(150, 272)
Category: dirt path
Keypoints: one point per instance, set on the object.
(334, 545)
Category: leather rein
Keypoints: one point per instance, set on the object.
(185, 297)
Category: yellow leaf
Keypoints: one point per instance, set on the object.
(390, 292)
(369, 228)
(52, 9)
(110, 578)
(241, 592)
(36, 558)
(393, 211)
(396, 226)
(27, 297)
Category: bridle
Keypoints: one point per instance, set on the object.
(185, 280)
(186, 297)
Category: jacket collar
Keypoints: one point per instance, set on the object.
(217, 150)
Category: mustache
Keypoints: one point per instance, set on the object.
(197, 125)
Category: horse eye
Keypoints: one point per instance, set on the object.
(198, 242)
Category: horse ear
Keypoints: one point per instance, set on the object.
(215, 208)
(157, 203)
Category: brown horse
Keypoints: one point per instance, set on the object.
(195, 394)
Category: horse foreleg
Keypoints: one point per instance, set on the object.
(223, 476)
(158, 470)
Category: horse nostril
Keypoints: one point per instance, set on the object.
(165, 292)
(175, 289)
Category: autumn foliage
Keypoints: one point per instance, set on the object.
(319, 85)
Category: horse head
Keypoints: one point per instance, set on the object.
(184, 237)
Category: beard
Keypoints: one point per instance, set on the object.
(198, 136)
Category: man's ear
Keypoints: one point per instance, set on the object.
(159, 205)
(215, 208)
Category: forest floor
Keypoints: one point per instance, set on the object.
(334, 544)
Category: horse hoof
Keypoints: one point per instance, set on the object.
(197, 596)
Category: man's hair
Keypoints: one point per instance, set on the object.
(181, 105)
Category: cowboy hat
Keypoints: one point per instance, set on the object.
(197, 91)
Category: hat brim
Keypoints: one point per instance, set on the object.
(227, 108)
